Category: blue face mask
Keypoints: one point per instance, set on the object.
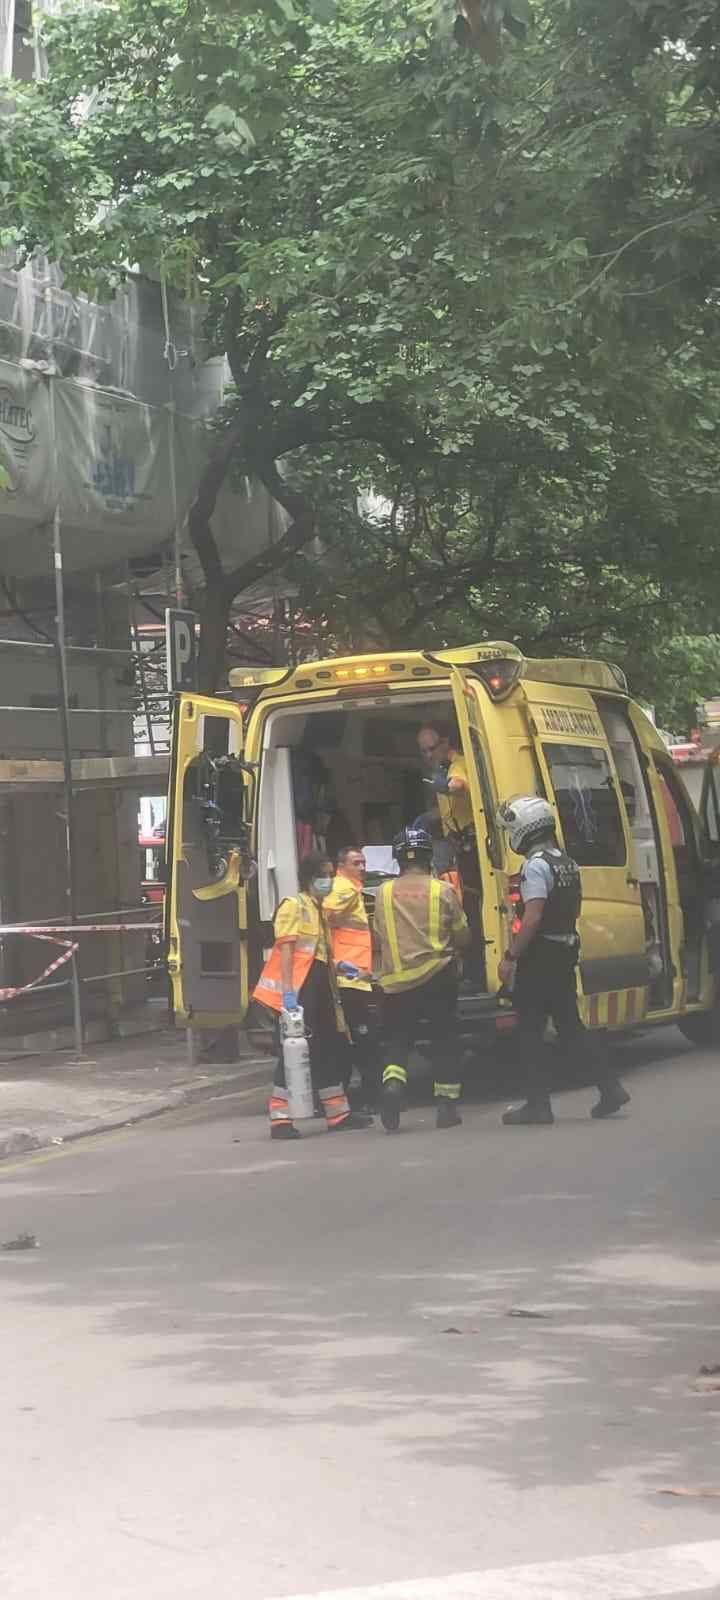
(321, 887)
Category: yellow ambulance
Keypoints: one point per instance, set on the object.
(330, 748)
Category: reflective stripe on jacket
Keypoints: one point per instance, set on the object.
(416, 921)
(349, 929)
(309, 943)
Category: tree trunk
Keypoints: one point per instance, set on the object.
(214, 615)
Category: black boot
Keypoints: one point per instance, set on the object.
(354, 1119)
(533, 1111)
(612, 1097)
(283, 1130)
(392, 1095)
(448, 1115)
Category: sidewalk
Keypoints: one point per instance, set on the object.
(51, 1097)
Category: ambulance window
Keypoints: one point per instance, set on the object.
(587, 802)
(216, 736)
(673, 812)
(631, 777)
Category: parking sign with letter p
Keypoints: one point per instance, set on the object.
(180, 638)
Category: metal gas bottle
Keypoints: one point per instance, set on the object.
(296, 1061)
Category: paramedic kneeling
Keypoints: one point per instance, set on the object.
(298, 972)
(541, 959)
(419, 926)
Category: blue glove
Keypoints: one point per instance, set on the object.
(290, 1000)
(347, 969)
(439, 782)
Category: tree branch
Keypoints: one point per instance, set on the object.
(249, 572)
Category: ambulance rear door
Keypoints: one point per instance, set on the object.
(207, 864)
(466, 692)
(578, 771)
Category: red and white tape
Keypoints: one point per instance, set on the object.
(49, 935)
(43, 930)
(69, 951)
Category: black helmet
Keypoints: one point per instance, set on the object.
(413, 844)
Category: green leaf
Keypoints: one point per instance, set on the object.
(220, 116)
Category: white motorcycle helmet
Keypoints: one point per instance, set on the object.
(526, 819)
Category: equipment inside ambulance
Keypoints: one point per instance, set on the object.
(328, 750)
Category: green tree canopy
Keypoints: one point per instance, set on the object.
(467, 296)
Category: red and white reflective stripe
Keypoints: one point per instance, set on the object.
(335, 1104)
(278, 1105)
(11, 994)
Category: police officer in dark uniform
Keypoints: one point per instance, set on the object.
(539, 964)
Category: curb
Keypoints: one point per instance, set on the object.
(22, 1141)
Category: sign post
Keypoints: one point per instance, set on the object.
(182, 656)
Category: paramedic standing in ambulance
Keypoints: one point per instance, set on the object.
(449, 782)
(540, 963)
(299, 972)
(419, 926)
(344, 911)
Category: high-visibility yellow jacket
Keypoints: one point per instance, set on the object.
(299, 920)
(456, 811)
(417, 920)
(350, 935)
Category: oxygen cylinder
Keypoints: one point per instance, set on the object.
(296, 1061)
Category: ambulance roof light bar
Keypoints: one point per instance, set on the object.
(499, 665)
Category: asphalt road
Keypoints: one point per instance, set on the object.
(231, 1369)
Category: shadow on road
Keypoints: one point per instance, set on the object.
(367, 1284)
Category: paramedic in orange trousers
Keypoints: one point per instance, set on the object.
(344, 911)
(299, 972)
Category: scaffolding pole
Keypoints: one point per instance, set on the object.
(64, 708)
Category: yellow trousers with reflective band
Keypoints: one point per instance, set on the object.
(415, 1015)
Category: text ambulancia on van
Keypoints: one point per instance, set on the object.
(330, 748)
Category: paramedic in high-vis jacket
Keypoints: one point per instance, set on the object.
(299, 972)
(420, 928)
(345, 912)
(447, 779)
(540, 963)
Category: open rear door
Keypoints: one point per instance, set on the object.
(468, 714)
(207, 864)
(579, 775)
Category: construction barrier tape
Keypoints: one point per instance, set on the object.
(43, 930)
(68, 953)
(49, 934)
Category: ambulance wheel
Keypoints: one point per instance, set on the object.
(702, 1029)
